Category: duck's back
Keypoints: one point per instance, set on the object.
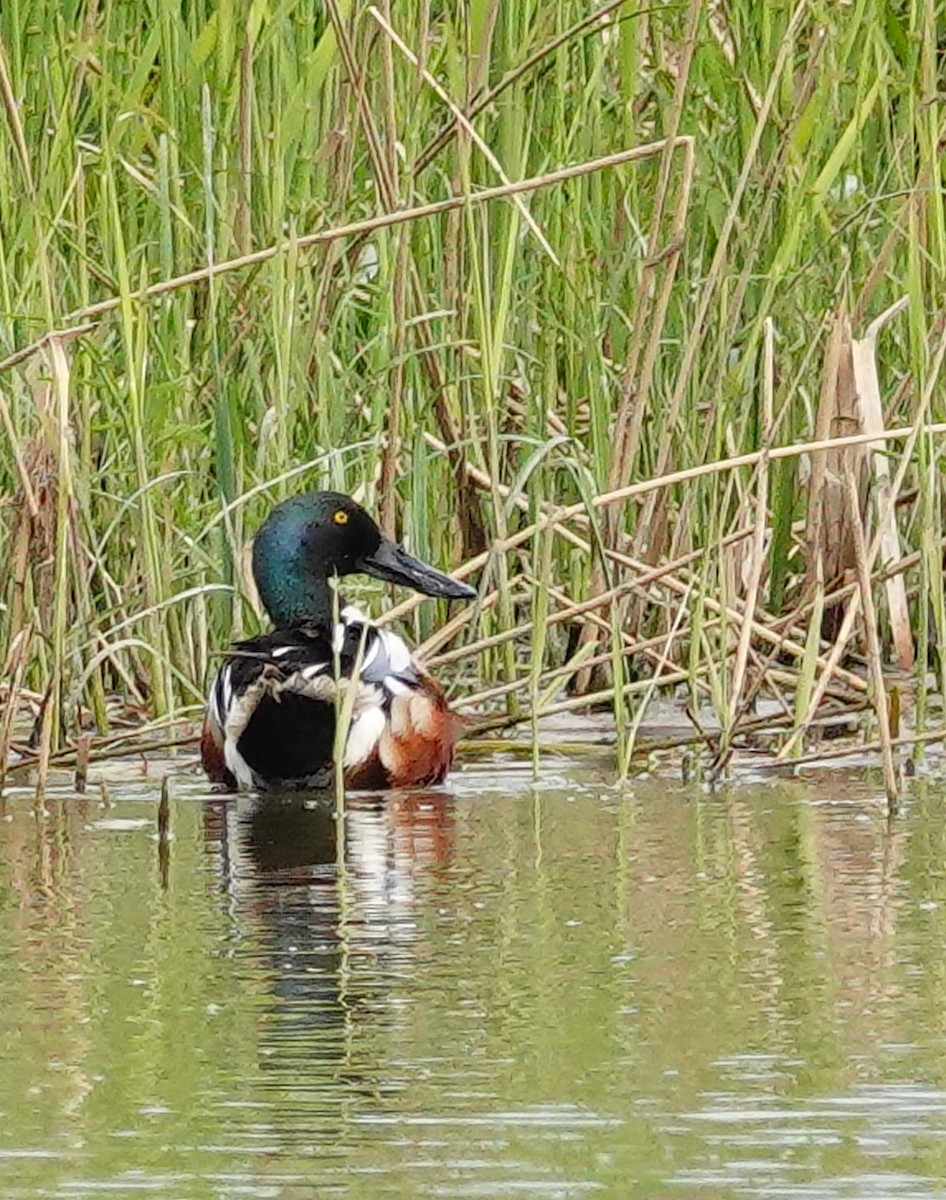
(271, 712)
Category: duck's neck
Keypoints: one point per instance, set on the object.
(291, 593)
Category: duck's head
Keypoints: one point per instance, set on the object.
(306, 540)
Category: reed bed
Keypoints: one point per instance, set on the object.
(632, 313)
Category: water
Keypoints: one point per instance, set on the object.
(547, 991)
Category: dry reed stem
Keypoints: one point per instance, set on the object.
(354, 229)
(717, 608)
(605, 696)
(757, 562)
(663, 660)
(827, 540)
(243, 220)
(838, 595)
(864, 354)
(634, 390)
(385, 166)
(708, 290)
(14, 668)
(684, 588)
(83, 750)
(758, 728)
(772, 636)
(439, 140)
(913, 432)
(360, 228)
(767, 673)
(873, 641)
(871, 747)
(641, 391)
(556, 518)
(483, 480)
(386, 172)
(571, 610)
(446, 632)
(629, 643)
(637, 376)
(54, 416)
(763, 632)
(828, 669)
(465, 125)
(523, 683)
(753, 458)
(102, 750)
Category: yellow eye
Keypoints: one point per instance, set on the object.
(340, 517)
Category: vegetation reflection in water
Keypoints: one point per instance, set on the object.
(512, 990)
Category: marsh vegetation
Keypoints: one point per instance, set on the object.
(564, 294)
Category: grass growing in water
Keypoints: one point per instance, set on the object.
(466, 372)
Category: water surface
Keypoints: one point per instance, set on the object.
(509, 989)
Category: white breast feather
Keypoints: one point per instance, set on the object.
(239, 712)
(364, 733)
(221, 695)
(238, 766)
(423, 715)
(400, 716)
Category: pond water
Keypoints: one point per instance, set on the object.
(507, 989)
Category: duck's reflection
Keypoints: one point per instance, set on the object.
(333, 934)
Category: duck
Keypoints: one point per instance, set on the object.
(271, 709)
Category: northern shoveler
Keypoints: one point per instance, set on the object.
(270, 722)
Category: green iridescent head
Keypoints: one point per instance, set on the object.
(306, 540)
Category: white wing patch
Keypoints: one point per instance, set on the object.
(371, 653)
(398, 655)
(387, 660)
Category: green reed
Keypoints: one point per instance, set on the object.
(135, 150)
